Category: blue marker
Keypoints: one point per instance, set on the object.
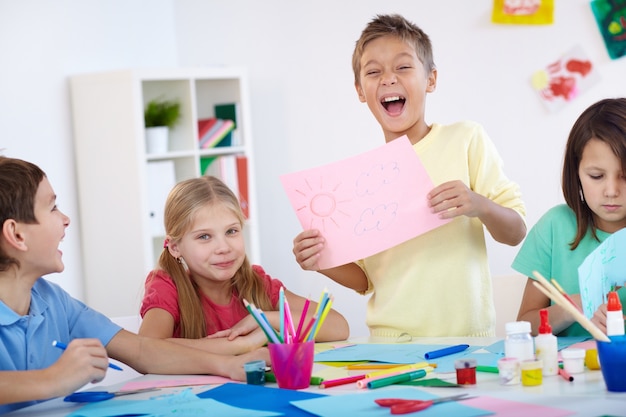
(445, 351)
(63, 346)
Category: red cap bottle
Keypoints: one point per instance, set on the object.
(614, 315)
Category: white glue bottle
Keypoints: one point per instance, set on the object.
(614, 316)
(518, 342)
(546, 347)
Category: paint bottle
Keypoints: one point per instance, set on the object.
(518, 342)
(465, 371)
(614, 316)
(546, 347)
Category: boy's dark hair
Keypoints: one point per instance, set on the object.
(19, 181)
(394, 24)
(605, 121)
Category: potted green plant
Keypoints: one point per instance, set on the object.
(159, 117)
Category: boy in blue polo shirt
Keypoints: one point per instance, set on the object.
(35, 312)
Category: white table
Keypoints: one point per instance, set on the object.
(585, 396)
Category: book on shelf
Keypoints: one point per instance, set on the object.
(230, 111)
(233, 171)
(214, 132)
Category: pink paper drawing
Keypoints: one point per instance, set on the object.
(565, 79)
(364, 204)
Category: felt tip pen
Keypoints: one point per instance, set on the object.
(565, 375)
(63, 346)
(445, 351)
(484, 368)
(315, 380)
(341, 381)
(395, 379)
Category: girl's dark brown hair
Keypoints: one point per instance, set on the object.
(19, 181)
(604, 121)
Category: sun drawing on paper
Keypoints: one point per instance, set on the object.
(327, 208)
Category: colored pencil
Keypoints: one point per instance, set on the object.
(303, 317)
(271, 335)
(398, 368)
(281, 312)
(369, 365)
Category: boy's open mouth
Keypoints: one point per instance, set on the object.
(393, 104)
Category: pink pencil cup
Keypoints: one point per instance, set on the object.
(292, 363)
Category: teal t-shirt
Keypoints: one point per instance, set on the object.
(546, 249)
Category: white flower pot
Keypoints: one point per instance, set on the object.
(156, 139)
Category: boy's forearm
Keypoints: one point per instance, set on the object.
(20, 386)
(222, 346)
(504, 224)
(349, 275)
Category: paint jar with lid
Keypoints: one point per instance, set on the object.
(465, 371)
(532, 372)
(509, 371)
(518, 342)
(591, 359)
(573, 360)
(255, 372)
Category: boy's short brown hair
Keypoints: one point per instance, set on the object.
(394, 24)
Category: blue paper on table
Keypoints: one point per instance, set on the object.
(392, 353)
(562, 343)
(601, 269)
(184, 403)
(259, 397)
(362, 404)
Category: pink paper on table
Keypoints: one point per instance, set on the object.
(364, 204)
(162, 383)
(515, 408)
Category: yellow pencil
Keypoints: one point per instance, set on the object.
(363, 366)
(397, 369)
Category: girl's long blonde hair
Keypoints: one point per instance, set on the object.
(180, 209)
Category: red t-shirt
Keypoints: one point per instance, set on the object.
(161, 292)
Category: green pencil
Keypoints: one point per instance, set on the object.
(483, 368)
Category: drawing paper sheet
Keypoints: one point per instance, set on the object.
(601, 269)
(259, 397)
(184, 403)
(362, 404)
(364, 204)
(393, 353)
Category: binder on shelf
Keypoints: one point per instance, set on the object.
(242, 183)
(214, 132)
(161, 179)
(230, 111)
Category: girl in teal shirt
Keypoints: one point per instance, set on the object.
(594, 188)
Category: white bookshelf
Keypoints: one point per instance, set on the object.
(118, 203)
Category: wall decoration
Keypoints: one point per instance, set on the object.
(611, 19)
(565, 79)
(524, 12)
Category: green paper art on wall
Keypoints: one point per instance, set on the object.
(611, 19)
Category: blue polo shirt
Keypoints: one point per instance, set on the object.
(53, 315)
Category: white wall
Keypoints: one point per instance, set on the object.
(304, 108)
(306, 112)
(42, 43)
